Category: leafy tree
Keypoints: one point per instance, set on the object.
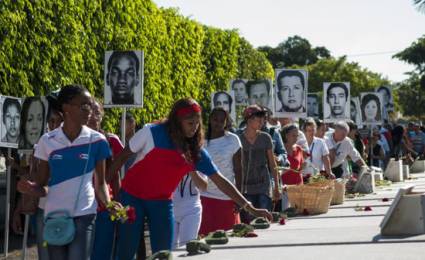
(420, 4)
(332, 69)
(294, 51)
(46, 44)
(411, 96)
(414, 54)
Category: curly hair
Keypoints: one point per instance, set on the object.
(190, 146)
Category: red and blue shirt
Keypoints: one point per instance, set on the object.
(159, 166)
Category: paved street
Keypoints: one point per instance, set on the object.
(342, 233)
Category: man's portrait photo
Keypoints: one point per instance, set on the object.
(239, 88)
(224, 100)
(259, 92)
(371, 104)
(313, 105)
(355, 112)
(291, 93)
(123, 79)
(336, 101)
(387, 100)
(11, 121)
(33, 121)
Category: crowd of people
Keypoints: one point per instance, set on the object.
(180, 182)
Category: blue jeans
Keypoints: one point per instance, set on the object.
(81, 246)
(103, 237)
(161, 226)
(261, 201)
(43, 254)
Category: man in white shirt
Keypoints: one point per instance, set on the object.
(340, 147)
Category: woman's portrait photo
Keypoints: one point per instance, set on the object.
(371, 107)
(33, 122)
(11, 119)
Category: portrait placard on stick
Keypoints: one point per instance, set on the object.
(11, 121)
(336, 101)
(371, 108)
(123, 79)
(291, 93)
(224, 100)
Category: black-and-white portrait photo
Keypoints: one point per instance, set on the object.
(313, 105)
(260, 92)
(33, 121)
(11, 121)
(239, 88)
(387, 100)
(336, 101)
(291, 93)
(355, 112)
(123, 79)
(224, 100)
(371, 107)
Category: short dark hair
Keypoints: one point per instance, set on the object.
(224, 93)
(386, 89)
(236, 81)
(250, 83)
(319, 122)
(290, 73)
(118, 54)
(286, 129)
(366, 99)
(10, 102)
(337, 85)
(67, 93)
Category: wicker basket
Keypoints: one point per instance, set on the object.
(315, 199)
(339, 193)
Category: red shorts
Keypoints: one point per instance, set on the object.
(217, 214)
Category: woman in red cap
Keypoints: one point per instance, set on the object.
(259, 165)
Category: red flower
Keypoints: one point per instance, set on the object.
(385, 199)
(251, 234)
(282, 221)
(305, 212)
(131, 215)
(367, 208)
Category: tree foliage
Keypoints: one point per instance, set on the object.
(414, 54)
(339, 70)
(46, 44)
(411, 96)
(294, 51)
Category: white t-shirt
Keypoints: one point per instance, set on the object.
(221, 151)
(186, 197)
(343, 149)
(317, 150)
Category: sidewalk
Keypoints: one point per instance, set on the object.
(342, 233)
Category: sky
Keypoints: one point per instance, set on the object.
(369, 32)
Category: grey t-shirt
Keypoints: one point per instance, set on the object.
(256, 176)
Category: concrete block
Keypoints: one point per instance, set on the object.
(379, 175)
(418, 166)
(394, 171)
(406, 214)
(365, 183)
(406, 172)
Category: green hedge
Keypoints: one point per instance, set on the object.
(45, 44)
